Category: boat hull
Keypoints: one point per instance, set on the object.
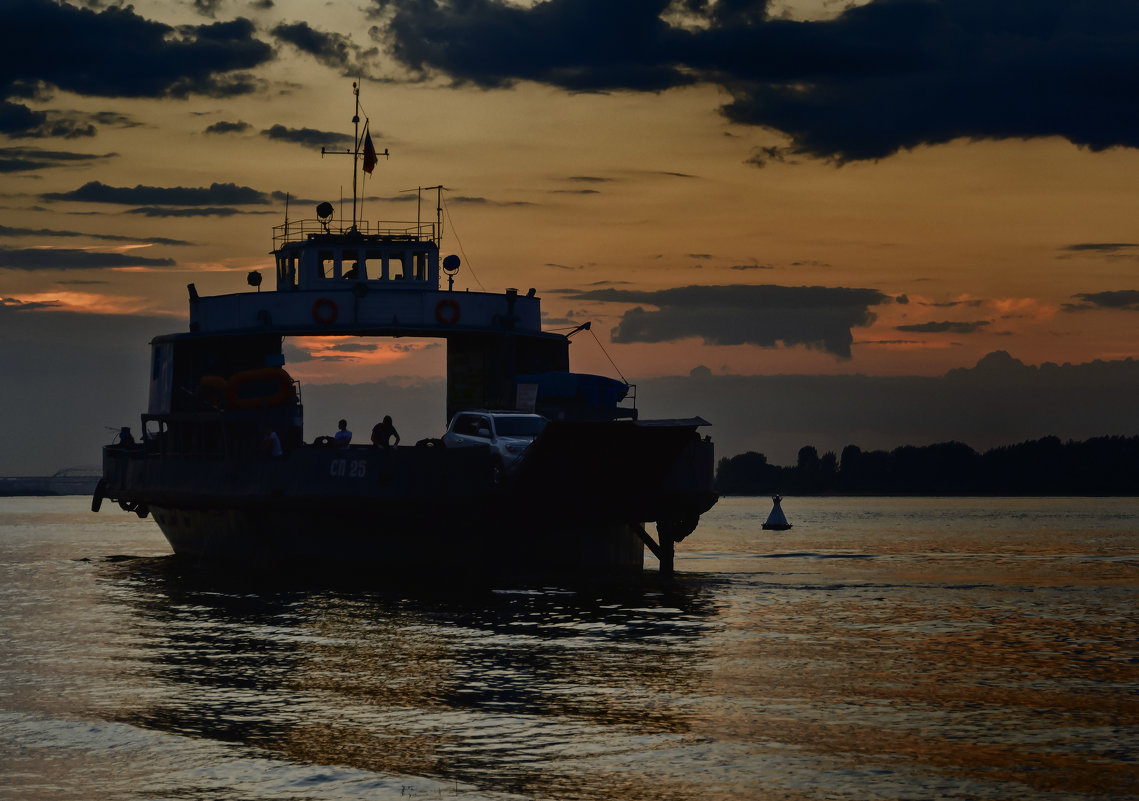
(424, 508)
(369, 539)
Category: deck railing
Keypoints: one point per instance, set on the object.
(301, 230)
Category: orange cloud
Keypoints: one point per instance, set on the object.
(1031, 308)
(89, 302)
(359, 351)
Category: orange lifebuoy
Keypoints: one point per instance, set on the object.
(447, 311)
(253, 389)
(212, 389)
(324, 311)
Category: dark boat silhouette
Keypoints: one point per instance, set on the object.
(220, 393)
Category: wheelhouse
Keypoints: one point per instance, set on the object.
(308, 257)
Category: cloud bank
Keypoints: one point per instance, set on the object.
(98, 192)
(115, 52)
(69, 259)
(742, 314)
(878, 78)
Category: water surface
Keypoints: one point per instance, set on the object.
(883, 648)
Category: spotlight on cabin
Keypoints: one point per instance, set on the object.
(254, 278)
(451, 267)
(325, 210)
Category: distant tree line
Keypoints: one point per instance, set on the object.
(1099, 466)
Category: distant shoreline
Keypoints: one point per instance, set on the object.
(887, 494)
(40, 486)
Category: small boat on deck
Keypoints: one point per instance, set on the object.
(224, 467)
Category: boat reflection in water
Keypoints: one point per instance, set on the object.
(510, 691)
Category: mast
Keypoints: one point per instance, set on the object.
(355, 150)
(355, 154)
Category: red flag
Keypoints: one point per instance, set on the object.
(369, 153)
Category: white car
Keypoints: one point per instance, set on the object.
(508, 434)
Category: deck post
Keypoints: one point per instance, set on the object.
(662, 550)
(667, 552)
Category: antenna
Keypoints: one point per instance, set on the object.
(438, 237)
(355, 152)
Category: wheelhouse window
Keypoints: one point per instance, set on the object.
(327, 264)
(286, 271)
(351, 269)
(374, 265)
(397, 265)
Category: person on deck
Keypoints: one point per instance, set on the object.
(343, 436)
(272, 444)
(383, 432)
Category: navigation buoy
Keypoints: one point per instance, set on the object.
(776, 521)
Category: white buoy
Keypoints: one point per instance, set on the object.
(776, 521)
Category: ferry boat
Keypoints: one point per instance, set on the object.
(224, 467)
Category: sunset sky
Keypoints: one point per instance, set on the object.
(730, 191)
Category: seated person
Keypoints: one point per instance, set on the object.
(342, 436)
(383, 432)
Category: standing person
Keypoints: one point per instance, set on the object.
(272, 444)
(383, 432)
(343, 436)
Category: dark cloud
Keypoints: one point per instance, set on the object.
(816, 317)
(24, 159)
(20, 122)
(474, 200)
(762, 156)
(875, 79)
(949, 304)
(97, 192)
(115, 52)
(51, 232)
(65, 259)
(1106, 248)
(1127, 299)
(331, 49)
(751, 267)
(495, 44)
(944, 327)
(201, 211)
(115, 119)
(16, 118)
(58, 124)
(10, 305)
(223, 127)
(309, 137)
(283, 197)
